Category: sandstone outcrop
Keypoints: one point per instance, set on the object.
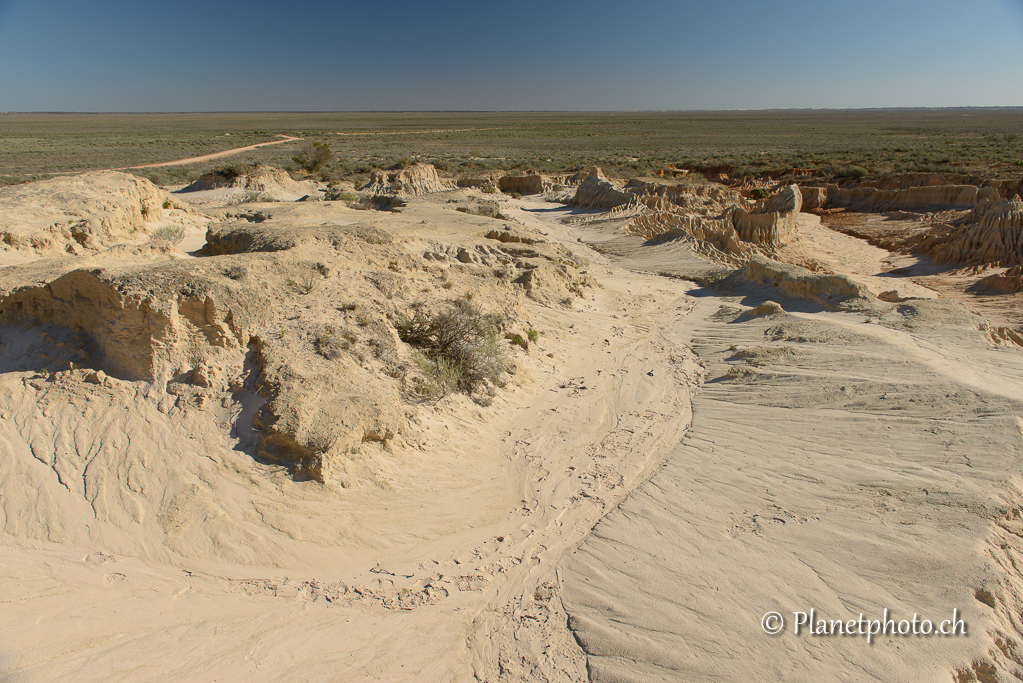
(730, 237)
(415, 180)
(597, 192)
(1006, 188)
(87, 212)
(532, 183)
(919, 199)
(263, 179)
(705, 199)
(1008, 281)
(715, 238)
(827, 290)
(813, 198)
(148, 321)
(774, 222)
(991, 234)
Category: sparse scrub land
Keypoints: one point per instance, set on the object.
(775, 144)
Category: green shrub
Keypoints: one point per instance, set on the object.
(458, 347)
(760, 193)
(533, 335)
(313, 156)
(853, 172)
(517, 339)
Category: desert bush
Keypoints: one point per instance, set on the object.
(578, 261)
(173, 234)
(533, 335)
(305, 283)
(488, 187)
(237, 272)
(853, 172)
(313, 156)
(458, 347)
(760, 193)
(331, 342)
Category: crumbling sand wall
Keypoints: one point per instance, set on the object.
(418, 179)
(991, 234)
(86, 212)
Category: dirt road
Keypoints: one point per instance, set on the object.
(215, 155)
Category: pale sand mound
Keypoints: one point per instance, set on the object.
(417, 179)
(827, 290)
(717, 222)
(188, 325)
(991, 234)
(1010, 280)
(264, 183)
(86, 212)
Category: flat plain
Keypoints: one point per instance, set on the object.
(974, 142)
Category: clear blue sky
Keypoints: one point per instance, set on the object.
(228, 55)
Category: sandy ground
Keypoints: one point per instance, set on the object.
(668, 472)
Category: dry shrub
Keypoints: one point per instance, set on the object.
(458, 348)
(173, 234)
(330, 342)
(313, 156)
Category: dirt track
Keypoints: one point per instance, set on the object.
(215, 155)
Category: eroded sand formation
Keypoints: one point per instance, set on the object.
(232, 439)
(85, 213)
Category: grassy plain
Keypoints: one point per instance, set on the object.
(974, 142)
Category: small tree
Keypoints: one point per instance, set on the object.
(313, 156)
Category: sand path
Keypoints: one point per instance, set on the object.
(215, 155)
(259, 575)
(870, 470)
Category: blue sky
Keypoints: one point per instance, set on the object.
(226, 55)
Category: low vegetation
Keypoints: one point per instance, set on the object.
(457, 348)
(314, 156)
(171, 233)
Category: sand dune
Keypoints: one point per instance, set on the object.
(662, 463)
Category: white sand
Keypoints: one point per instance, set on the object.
(579, 527)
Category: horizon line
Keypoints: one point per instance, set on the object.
(515, 111)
